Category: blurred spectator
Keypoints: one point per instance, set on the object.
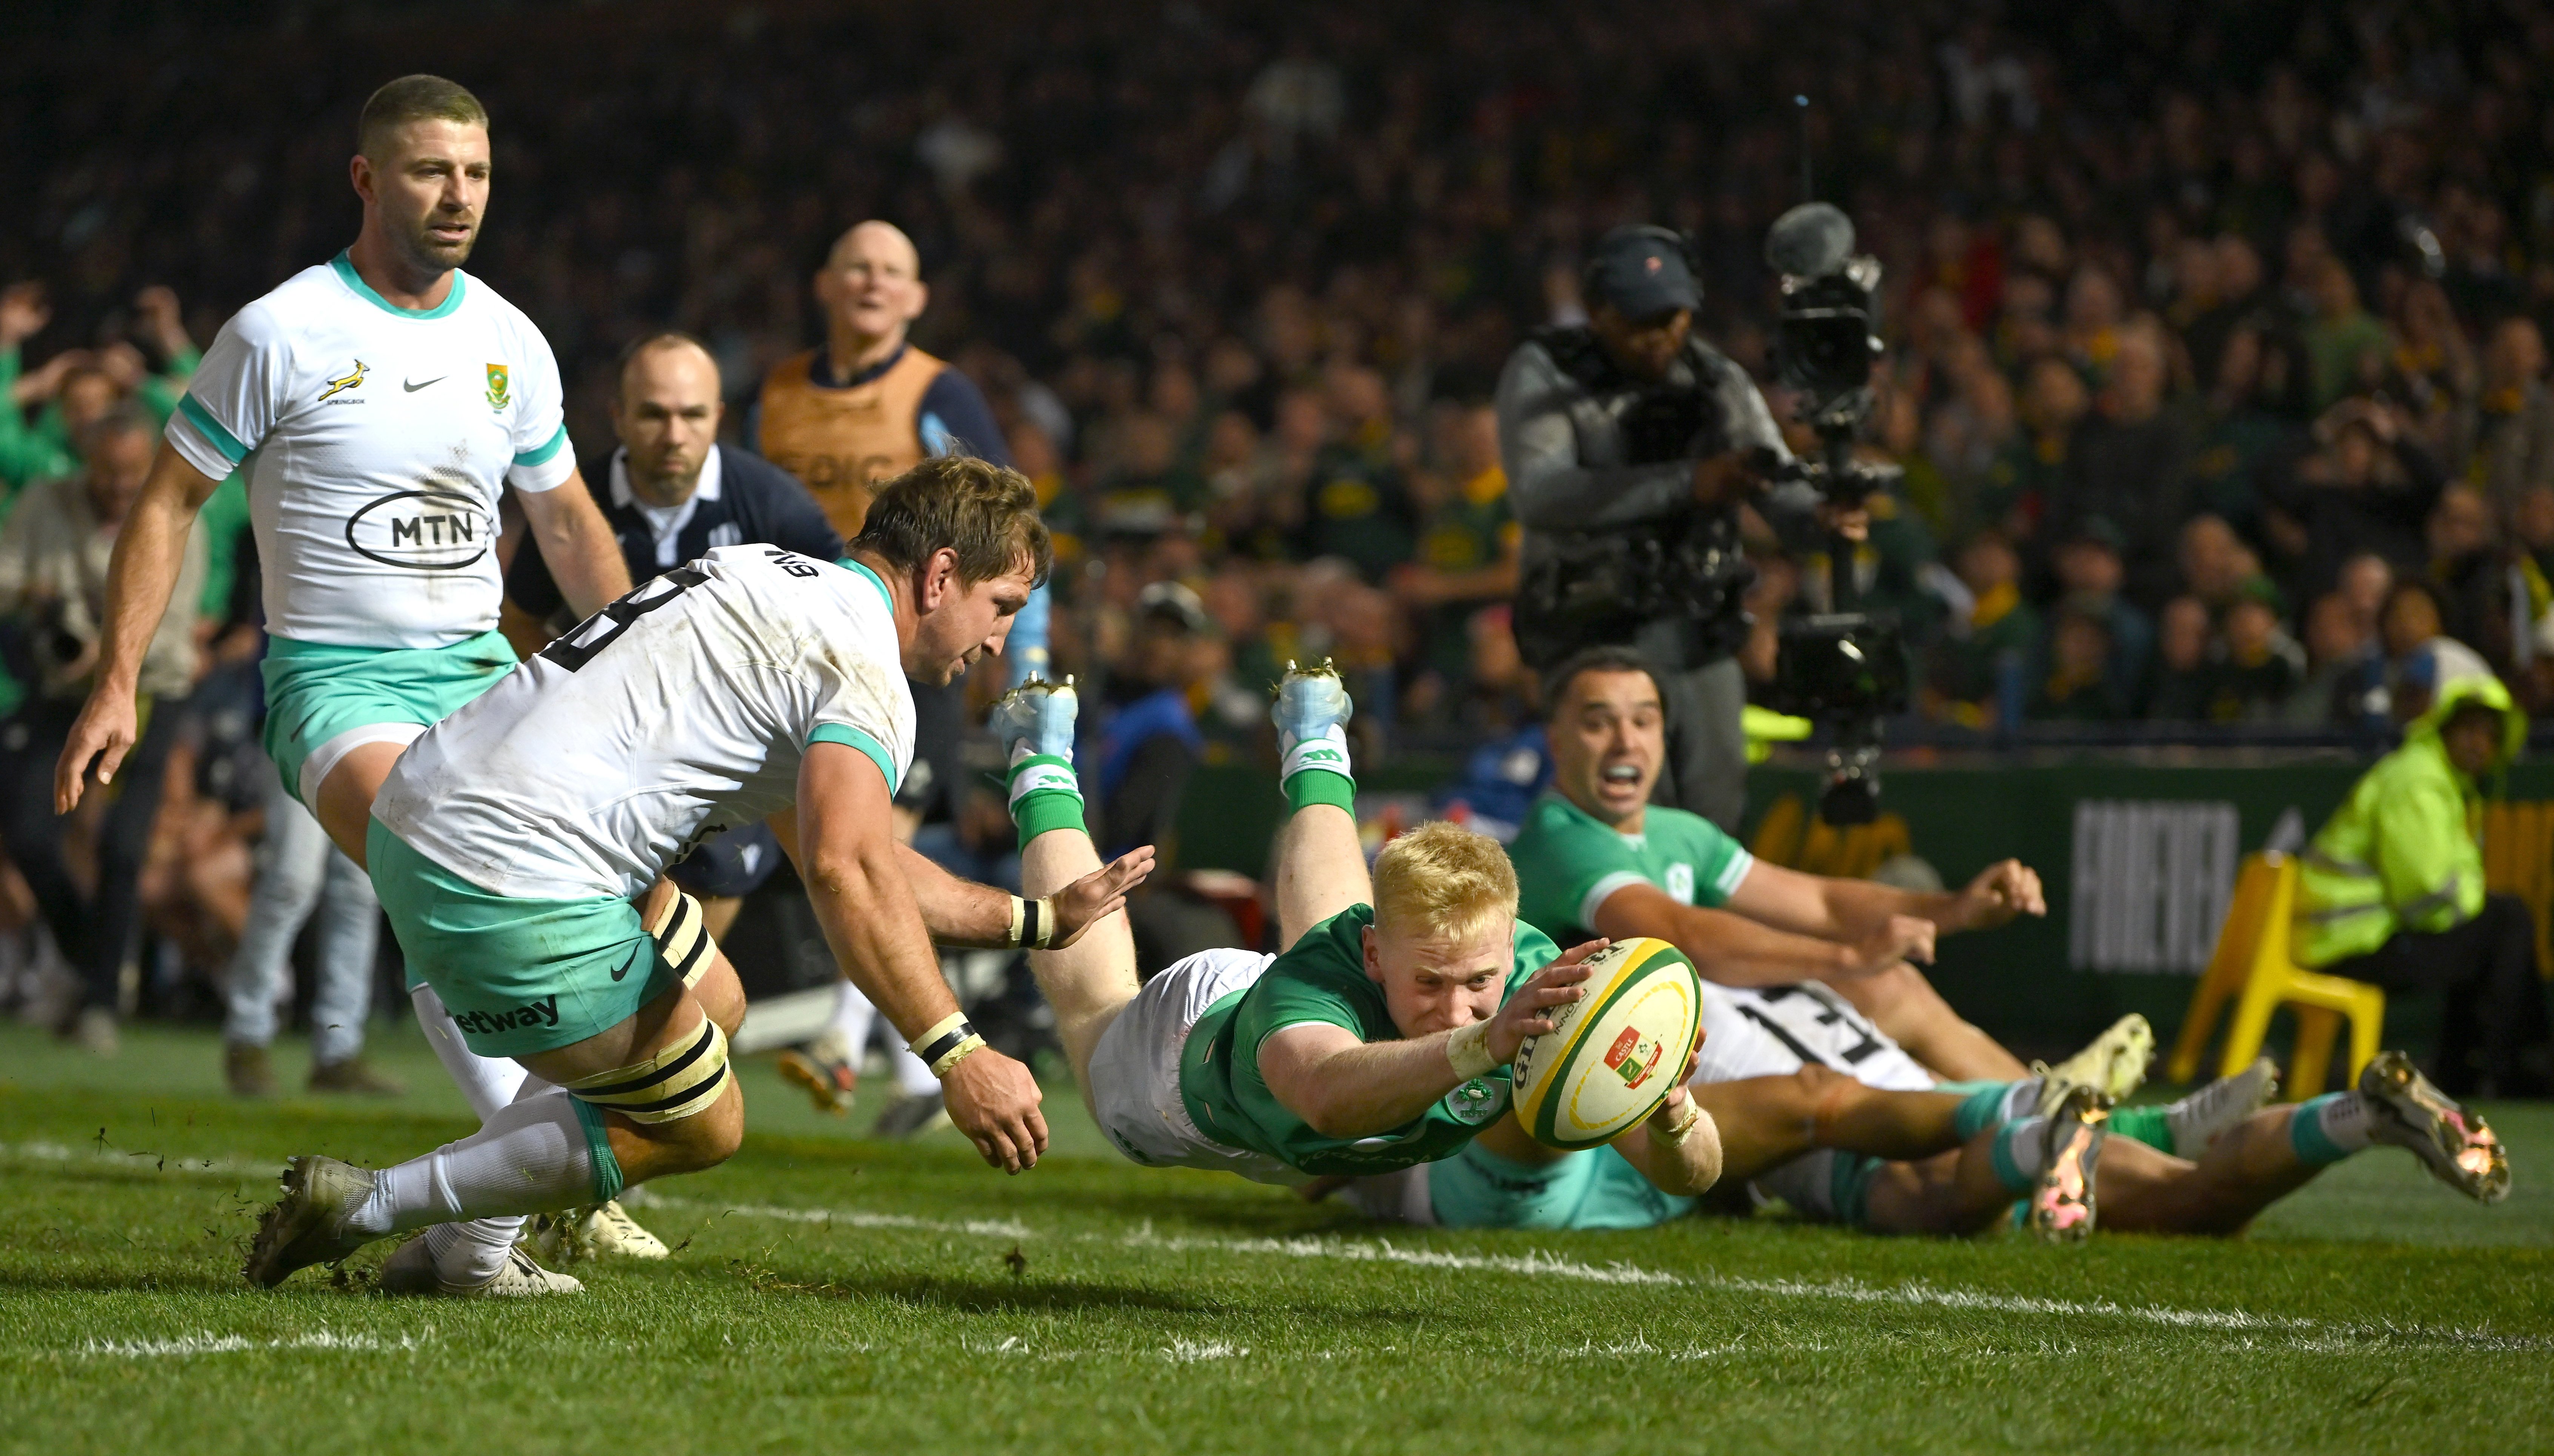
(2345, 682)
(2184, 678)
(2262, 664)
(1979, 671)
(2420, 657)
(2125, 464)
(2090, 574)
(2345, 345)
(2466, 569)
(1468, 544)
(2366, 486)
(2514, 447)
(54, 554)
(2082, 666)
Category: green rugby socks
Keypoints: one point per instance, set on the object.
(1317, 772)
(1044, 795)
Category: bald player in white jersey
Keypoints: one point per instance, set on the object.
(379, 404)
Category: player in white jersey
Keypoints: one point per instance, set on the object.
(379, 404)
(511, 841)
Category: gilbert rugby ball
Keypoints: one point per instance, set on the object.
(1612, 1054)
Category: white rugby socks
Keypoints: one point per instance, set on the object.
(488, 1083)
(530, 1157)
(854, 1019)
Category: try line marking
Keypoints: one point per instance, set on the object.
(1546, 1264)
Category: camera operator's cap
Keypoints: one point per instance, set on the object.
(1642, 272)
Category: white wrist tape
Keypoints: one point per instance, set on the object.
(1675, 1132)
(947, 1043)
(1467, 1050)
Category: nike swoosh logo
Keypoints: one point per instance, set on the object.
(634, 955)
(413, 389)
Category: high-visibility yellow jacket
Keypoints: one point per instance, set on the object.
(2404, 851)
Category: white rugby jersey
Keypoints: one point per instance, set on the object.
(377, 441)
(679, 710)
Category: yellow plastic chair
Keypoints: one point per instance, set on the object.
(2251, 967)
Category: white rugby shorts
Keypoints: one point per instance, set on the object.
(1135, 1069)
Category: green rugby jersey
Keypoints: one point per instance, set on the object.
(1568, 861)
(1323, 978)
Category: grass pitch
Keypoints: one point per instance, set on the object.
(836, 1295)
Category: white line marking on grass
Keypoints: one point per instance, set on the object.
(1912, 1293)
(990, 1228)
(211, 1344)
(1189, 1352)
(128, 1159)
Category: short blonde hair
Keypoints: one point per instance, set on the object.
(1442, 879)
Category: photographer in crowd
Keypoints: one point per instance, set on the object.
(1628, 444)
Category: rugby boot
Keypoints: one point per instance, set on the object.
(248, 1068)
(1311, 703)
(911, 1116)
(2061, 1207)
(356, 1076)
(307, 1226)
(2198, 1119)
(2458, 1147)
(2112, 1064)
(1037, 717)
(824, 1070)
(411, 1271)
(605, 1231)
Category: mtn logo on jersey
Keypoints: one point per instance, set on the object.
(344, 382)
(1633, 1057)
(434, 529)
(501, 391)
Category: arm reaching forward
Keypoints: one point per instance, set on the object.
(1344, 1087)
(855, 879)
(149, 552)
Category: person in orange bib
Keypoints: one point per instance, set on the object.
(861, 408)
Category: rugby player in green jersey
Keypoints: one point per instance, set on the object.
(1820, 1107)
(1380, 1036)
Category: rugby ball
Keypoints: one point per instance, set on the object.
(1612, 1054)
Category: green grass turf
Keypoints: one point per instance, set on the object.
(831, 1293)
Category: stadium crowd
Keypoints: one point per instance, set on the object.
(2216, 340)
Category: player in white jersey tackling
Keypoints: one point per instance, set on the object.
(517, 848)
(380, 405)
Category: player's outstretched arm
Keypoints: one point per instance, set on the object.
(855, 881)
(1855, 910)
(149, 551)
(577, 541)
(1735, 951)
(1344, 1087)
(962, 912)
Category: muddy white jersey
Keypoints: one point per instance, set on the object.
(681, 711)
(375, 442)
(1774, 1030)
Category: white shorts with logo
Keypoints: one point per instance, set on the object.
(1775, 1031)
(1135, 1069)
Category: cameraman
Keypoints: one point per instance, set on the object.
(1628, 443)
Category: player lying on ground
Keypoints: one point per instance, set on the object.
(339, 394)
(517, 848)
(1379, 1038)
(1774, 1093)
(1597, 858)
